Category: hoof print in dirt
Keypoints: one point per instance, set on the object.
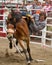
(7, 55)
(28, 64)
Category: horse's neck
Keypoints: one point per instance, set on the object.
(23, 20)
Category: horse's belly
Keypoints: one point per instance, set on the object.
(20, 35)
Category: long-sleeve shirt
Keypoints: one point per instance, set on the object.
(36, 26)
(39, 25)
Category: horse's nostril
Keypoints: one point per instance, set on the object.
(10, 31)
(10, 36)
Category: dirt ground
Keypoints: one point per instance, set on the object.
(38, 53)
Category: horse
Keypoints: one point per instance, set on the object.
(17, 27)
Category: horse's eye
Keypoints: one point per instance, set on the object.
(10, 19)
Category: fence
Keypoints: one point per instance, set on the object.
(42, 37)
(2, 23)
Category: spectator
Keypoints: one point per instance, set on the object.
(47, 6)
(38, 5)
(28, 7)
(36, 15)
(43, 4)
(34, 3)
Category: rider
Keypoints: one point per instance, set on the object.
(41, 23)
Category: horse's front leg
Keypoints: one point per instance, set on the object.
(10, 42)
(10, 37)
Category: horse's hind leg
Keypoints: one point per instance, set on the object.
(28, 49)
(25, 51)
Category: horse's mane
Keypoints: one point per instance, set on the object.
(17, 16)
(14, 15)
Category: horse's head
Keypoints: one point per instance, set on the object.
(13, 18)
(10, 21)
(10, 31)
(10, 26)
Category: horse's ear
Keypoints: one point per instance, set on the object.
(14, 19)
(10, 26)
(12, 10)
(9, 16)
(7, 21)
(27, 17)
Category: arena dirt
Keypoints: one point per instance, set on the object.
(41, 55)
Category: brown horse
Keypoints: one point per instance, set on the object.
(17, 27)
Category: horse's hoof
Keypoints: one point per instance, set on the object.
(28, 63)
(31, 59)
(10, 45)
(22, 51)
(16, 52)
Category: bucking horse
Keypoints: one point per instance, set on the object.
(17, 27)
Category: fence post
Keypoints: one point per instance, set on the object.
(43, 39)
(51, 42)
